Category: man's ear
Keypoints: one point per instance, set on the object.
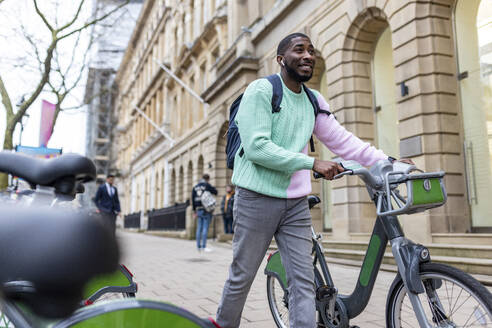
(280, 60)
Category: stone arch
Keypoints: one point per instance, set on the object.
(180, 189)
(139, 194)
(356, 87)
(352, 101)
(223, 175)
(200, 167)
(189, 180)
(146, 194)
(172, 188)
(162, 183)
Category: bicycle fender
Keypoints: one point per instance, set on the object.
(119, 281)
(275, 268)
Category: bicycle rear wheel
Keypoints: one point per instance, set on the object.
(452, 299)
(278, 300)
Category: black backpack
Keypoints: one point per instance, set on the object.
(233, 138)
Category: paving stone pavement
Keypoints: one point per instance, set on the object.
(172, 270)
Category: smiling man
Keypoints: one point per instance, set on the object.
(273, 179)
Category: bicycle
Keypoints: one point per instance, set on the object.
(55, 183)
(418, 281)
(42, 280)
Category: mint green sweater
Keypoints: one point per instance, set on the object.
(272, 142)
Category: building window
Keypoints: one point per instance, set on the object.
(473, 22)
(384, 99)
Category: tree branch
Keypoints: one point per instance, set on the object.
(74, 18)
(94, 21)
(43, 17)
(7, 103)
(44, 78)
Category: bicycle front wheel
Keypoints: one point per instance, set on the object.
(452, 298)
(278, 300)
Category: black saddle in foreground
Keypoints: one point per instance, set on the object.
(47, 172)
(48, 256)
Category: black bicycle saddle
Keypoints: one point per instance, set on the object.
(46, 172)
(313, 200)
(48, 256)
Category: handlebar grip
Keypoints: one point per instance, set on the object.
(317, 175)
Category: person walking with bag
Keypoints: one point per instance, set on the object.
(203, 206)
(226, 208)
(272, 174)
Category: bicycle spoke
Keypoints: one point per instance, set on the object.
(457, 299)
(447, 292)
(465, 304)
(477, 319)
(451, 314)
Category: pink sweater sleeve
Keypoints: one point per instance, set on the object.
(341, 142)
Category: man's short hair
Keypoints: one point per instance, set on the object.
(285, 42)
(110, 176)
(206, 177)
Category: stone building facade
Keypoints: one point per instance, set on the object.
(395, 73)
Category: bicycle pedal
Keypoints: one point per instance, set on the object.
(324, 292)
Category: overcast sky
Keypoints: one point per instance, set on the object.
(69, 132)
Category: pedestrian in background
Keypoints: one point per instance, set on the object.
(226, 208)
(107, 202)
(203, 216)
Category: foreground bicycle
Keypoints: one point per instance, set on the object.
(423, 294)
(54, 183)
(48, 256)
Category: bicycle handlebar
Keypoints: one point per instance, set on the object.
(373, 181)
(383, 178)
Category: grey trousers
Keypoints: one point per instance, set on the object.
(257, 218)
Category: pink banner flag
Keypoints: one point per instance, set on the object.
(47, 115)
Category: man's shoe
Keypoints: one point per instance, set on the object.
(207, 250)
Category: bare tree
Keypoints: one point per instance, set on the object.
(46, 57)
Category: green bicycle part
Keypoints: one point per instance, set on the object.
(116, 278)
(275, 267)
(370, 260)
(132, 313)
(422, 194)
(4, 321)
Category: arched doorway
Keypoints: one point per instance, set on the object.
(189, 181)
(363, 85)
(200, 167)
(383, 82)
(473, 26)
(223, 174)
(172, 188)
(180, 189)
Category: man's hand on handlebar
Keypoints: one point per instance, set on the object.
(327, 169)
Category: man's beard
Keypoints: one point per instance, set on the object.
(296, 76)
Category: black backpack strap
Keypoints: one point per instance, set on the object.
(274, 79)
(312, 99)
(317, 110)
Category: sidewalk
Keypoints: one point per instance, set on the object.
(172, 270)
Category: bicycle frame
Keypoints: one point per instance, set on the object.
(408, 257)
